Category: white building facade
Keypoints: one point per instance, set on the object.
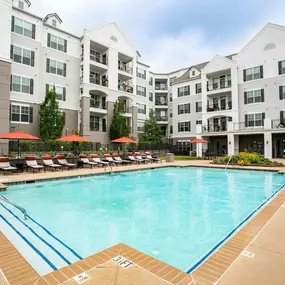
(236, 102)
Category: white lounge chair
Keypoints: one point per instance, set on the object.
(31, 162)
(133, 159)
(138, 156)
(153, 159)
(118, 158)
(5, 165)
(110, 159)
(62, 161)
(85, 160)
(48, 162)
(96, 159)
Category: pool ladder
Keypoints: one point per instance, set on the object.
(16, 206)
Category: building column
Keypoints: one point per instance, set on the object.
(231, 144)
(134, 130)
(110, 110)
(268, 145)
(236, 144)
(86, 60)
(85, 115)
(204, 93)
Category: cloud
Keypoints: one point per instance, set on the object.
(169, 34)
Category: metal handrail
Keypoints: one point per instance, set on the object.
(16, 206)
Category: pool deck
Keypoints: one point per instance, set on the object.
(254, 255)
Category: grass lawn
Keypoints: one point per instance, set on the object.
(183, 158)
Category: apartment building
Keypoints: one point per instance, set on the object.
(236, 102)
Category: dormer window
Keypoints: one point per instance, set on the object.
(54, 23)
(193, 72)
(21, 5)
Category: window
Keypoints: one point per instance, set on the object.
(59, 90)
(171, 129)
(184, 127)
(22, 84)
(21, 5)
(150, 96)
(171, 80)
(170, 114)
(21, 114)
(23, 28)
(54, 22)
(254, 120)
(151, 81)
(198, 88)
(141, 90)
(56, 67)
(183, 91)
(170, 97)
(254, 96)
(140, 126)
(253, 73)
(193, 72)
(22, 55)
(57, 43)
(94, 123)
(199, 122)
(141, 73)
(281, 67)
(184, 109)
(141, 108)
(282, 92)
(198, 107)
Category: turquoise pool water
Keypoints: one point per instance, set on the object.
(174, 214)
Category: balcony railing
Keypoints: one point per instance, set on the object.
(127, 110)
(125, 68)
(125, 87)
(278, 124)
(98, 81)
(219, 85)
(219, 107)
(161, 118)
(97, 104)
(252, 125)
(161, 87)
(102, 60)
(214, 128)
(97, 127)
(160, 103)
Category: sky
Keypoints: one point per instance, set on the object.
(171, 34)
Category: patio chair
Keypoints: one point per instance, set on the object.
(31, 162)
(110, 159)
(152, 159)
(62, 161)
(138, 156)
(118, 158)
(5, 165)
(96, 159)
(133, 159)
(85, 160)
(48, 163)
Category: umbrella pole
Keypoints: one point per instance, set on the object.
(18, 148)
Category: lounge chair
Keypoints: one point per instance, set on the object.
(138, 156)
(96, 159)
(153, 159)
(5, 165)
(118, 158)
(48, 162)
(110, 159)
(133, 159)
(31, 162)
(62, 161)
(85, 160)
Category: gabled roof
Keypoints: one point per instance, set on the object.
(52, 15)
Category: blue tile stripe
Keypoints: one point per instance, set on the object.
(209, 253)
(38, 236)
(30, 244)
(52, 235)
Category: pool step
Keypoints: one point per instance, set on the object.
(44, 251)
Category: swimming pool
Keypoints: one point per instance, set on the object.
(174, 214)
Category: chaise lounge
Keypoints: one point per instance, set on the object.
(31, 162)
(5, 165)
(48, 162)
(62, 161)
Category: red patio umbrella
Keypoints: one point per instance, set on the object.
(73, 138)
(123, 140)
(19, 136)
(198, 141)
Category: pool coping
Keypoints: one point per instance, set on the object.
(19, 272)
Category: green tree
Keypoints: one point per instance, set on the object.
(51, 118)
(152, 132)
(119, 127)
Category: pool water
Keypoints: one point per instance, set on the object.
(174, 214)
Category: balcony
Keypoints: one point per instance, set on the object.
(98, 58)
(277, 124)
(249, 126)
(125, 68)
(219, 107)
(160, 118)
(160, 87)
(214, 128)
(97, 127)
(97, 104)
(127, 110)
(98, 81)
(125, 87)
(159, 103)
(219, 85)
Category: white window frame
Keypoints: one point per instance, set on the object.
(53, 22)
(253, 96)
(95, 123)
(141, 73)
(20, 114)
(253, 73)
(183, 108)
(51, 86)
(23, 27)
(140, 126)
(150, 96)
(282, 67)
(183, 91)
(21, 5)
(184, 127)
(22, 54)
(254, 120)
(21, 84)
(199, 107)
(141, 110)
(55, 40)
(56, 66)
(283, 92)
(140, 92)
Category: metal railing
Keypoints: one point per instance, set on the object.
(127, 110)
(248, 126)
(97, 128)
(161, 87)
(125, 68)
(159, 103)
(219, 107)
(219, 85)
(16, 206)
(97, 104)
(98, 81)
(125, 88)
(98, 59)
(215, 128)
(278, 124)
(161, 118)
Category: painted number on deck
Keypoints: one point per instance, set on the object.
(81, 278)
(123, 262)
